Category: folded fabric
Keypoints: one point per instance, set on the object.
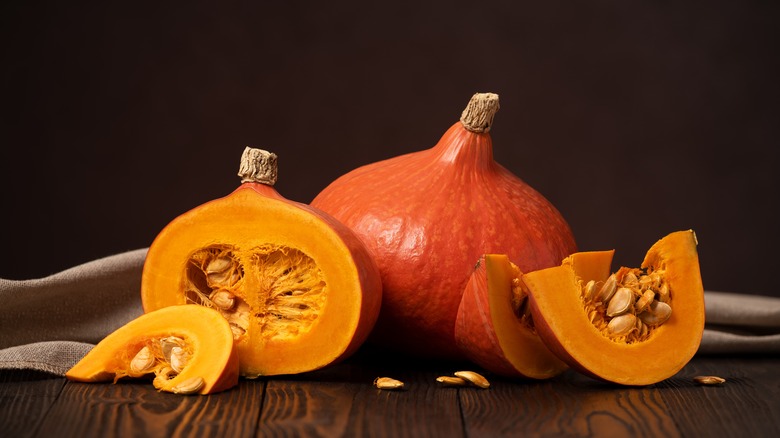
(54, 357)
(48, 324)
(739, 323)
(82, 304)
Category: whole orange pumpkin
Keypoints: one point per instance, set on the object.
(428, 216)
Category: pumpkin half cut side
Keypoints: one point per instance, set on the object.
(299, 289)
(494, 328)
(636, 326)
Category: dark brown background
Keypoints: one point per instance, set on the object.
(634, 118)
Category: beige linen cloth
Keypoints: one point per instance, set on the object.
(48, 324)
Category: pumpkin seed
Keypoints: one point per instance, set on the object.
(630, 280)
(179, 358)
(451, 381)
(219, 279)
(622, 301)
(223, 299)
(646, 282)
(473, 378)
(664, 293)
(189, 386)
(622, 325)
(589, 290)
(167, 344)
(607, 290)
(644, 301)
(709, 380)
(641, 328)
(388, 383)
(656, 314)
(219, 264)
(143, 361)
(593, 316)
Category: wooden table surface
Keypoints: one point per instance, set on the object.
(341, 401)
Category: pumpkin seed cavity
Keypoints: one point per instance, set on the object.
(165, 357)
(287, 288)
(629, 305)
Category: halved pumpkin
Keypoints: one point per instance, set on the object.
(493, 329)
(651, 332)
(203, 336)
(299, 289)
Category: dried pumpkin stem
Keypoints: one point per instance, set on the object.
(479, 113)
(258, 166)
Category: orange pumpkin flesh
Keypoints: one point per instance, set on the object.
(563, 323)
(204, 330)
(489, 330)
(300, 290)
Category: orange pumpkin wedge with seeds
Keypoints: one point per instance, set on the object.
(205, 340)
(639, 344)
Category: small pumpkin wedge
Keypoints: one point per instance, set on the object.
(636, 326)
(299, 289)
(494, 328)
(189, 348)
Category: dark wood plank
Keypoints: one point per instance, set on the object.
(25, 398)
(342, 401)
(574, 405)
(137, 409)
(569, 405)
(748, 404)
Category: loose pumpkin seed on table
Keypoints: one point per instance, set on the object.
(473, 378)
(452, 381)
(709, 380)
(388, 383)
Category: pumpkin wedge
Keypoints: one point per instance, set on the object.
(636, 326)
(494, 328)
(298, 288)
(189, 349)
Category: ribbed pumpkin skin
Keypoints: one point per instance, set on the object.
(427, 217)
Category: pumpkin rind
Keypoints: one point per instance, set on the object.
(563, 325)
(489, 332)
(214, 359)
(255, 221)
(427, 216)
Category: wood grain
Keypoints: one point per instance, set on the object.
(25, 398)
(137, 409)
(570, 405)
(342, 401)
(747, 404)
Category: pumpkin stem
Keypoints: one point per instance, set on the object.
(479, 113)
(258, 166)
